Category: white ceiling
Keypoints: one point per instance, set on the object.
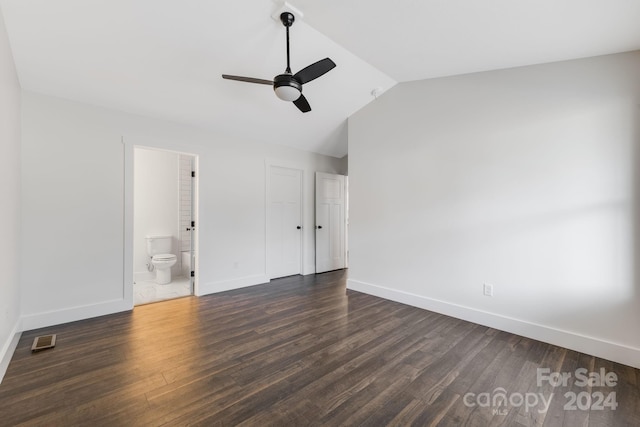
(421, 39)
(164, 58)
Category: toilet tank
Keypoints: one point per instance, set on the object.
(158, 245)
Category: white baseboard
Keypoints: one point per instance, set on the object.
(57, 317)
(8, 348)
(230, 284)
(593, 346)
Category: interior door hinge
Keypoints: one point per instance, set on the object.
(193, 274)
(193, 174)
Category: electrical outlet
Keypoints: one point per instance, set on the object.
(487, 290)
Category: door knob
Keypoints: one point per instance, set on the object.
(319, 226)
(298, 227)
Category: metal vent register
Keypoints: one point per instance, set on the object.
(43, 342)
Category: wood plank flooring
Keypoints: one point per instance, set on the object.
(296, 352)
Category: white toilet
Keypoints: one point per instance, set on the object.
(159, 249)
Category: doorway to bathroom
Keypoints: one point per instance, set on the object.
(164, 237)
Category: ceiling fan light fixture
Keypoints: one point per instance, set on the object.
(286, 87)
(287, 93)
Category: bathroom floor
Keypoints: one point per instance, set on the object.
(145, 292)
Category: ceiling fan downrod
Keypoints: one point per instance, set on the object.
(287, 19)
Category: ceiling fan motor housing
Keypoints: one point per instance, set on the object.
(287, 18)
(287, 87)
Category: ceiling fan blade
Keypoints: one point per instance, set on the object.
(248, 79)
(314, 70)
(302, 104)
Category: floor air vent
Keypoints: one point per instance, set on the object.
(44, 342)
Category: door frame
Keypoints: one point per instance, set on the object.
(269, 163)
(128, 273)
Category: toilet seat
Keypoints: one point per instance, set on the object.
(164, 257)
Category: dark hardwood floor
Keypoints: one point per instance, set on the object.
(302, 351)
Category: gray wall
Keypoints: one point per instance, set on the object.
(74, 203)
(525, 179)
(9, 198)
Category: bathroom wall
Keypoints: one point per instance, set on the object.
(156, 204)
(185, 212)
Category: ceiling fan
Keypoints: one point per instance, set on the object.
(288, 86)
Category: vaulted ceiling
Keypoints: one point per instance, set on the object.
(164, 58)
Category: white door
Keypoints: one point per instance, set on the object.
(285, 222)
(192, 225)
(330, 222)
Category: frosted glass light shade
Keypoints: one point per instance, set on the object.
(287, 93)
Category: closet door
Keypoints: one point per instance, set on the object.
(330, 222)
(285, 222)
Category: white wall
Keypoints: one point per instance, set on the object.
(9, 200)
(156, 204)
(75, 203)
(526, 179)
